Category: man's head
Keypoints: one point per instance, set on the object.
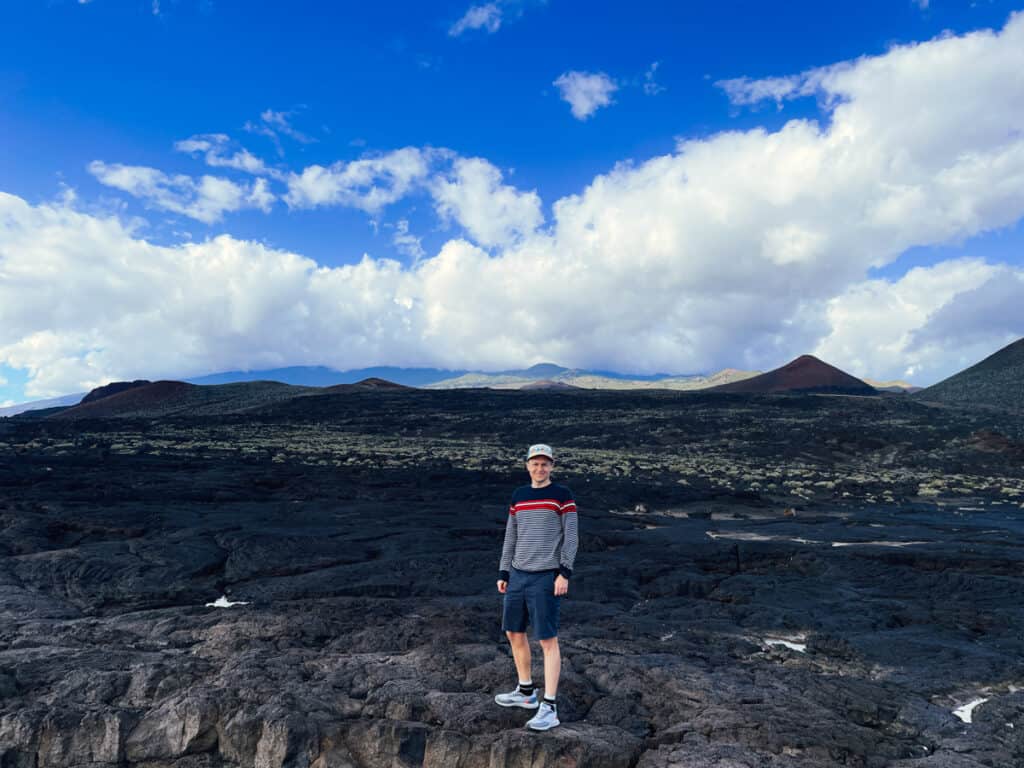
(540, 459)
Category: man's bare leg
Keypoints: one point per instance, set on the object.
(521, 653)
(552, 666)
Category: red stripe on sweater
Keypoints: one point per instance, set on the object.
(523, 506)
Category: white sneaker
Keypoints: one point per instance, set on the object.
(517, 699)
(545, 719)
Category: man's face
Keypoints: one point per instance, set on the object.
(539, 468)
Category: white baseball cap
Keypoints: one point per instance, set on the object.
(540, 450)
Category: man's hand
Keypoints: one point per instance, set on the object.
(561, 585)
(502, 586)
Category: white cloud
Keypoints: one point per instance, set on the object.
(107, 295)
(214, 148)
(977, 321)
(901, 329)
(273, 124)
(370, 183)
(585, 92)
(206, 199)
(281, 122)
(743, 249)
(3, 381)
(491, 212)
(650, 86)
(744, 91)
(406, 243)
(260, 196)
(487, 17)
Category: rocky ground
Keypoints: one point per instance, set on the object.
(762, 581)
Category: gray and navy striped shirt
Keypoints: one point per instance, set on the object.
(542, 533)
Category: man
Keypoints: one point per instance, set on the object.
(541, 538)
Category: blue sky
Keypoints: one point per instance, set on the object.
(519, 121)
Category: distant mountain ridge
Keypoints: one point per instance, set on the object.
(437, 378)
(998, 380)
(322, 376)
(160, 399)
(893, 385)
(584, 379)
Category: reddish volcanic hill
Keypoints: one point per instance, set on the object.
(177, 398)
(112, 389)
(805, 374)
(129, 399)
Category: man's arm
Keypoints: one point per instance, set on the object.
(509, 547)
(570, 536)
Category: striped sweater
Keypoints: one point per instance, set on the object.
(542, 532)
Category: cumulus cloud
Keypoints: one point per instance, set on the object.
(743, 249)
(491, 212)
(929, 324)
(486, 17)
(260, 196)
(83, 304)
(585, 92)
(978, 317)
(206, 199)
(370, 183)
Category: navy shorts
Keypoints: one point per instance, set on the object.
(530, 600)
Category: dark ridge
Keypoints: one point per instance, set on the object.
(39, 413)
(998, 380)
(806, 374)
(181, 399)
(548, 384)
(372, 382)
(150, 396)
(115, 387)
